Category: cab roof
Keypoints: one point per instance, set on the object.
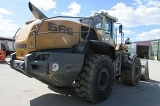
(107, 15)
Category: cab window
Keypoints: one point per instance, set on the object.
(96, 23)
(108, 29)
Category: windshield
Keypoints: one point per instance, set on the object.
(97, 21)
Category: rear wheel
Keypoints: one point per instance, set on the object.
(95, 81)
(132, 76)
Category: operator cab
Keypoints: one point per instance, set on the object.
(104, 25)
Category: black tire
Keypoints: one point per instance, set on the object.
(132, 76)
(95, 81)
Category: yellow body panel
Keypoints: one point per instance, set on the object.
(60, 37)
(52, 34)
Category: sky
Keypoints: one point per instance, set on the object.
(140, 18)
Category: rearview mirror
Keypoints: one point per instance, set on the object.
(120, 28)
(128, 41)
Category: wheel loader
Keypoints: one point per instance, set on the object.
(60, 51)
(2, 56)
(2, 52)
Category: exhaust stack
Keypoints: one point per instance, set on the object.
(36, 12)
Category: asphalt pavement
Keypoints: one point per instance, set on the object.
(17, 89)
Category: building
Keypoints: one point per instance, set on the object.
(143, 48)
(154, 50)
(146, 49)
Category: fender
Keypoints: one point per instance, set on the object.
(128, 64)
(102, 48)
(133, 57)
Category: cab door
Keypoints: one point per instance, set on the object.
(108, 35)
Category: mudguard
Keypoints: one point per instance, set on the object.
(128, 60)
(102, 48)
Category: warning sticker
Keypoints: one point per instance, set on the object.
(31, 46)
(55, 67)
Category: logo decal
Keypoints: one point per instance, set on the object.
(60, 28)
(55, 67)
(21, 46)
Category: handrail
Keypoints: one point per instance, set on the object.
(86, 42)
(15, 37)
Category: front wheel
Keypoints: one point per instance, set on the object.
(132, 76)
(95, 81)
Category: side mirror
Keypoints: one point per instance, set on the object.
(128, 41)
(120, 28)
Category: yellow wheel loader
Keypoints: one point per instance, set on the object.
(2, 56)
(61, 52)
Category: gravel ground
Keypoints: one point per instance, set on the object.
(17, 89)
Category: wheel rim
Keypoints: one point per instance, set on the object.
(103, 79)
